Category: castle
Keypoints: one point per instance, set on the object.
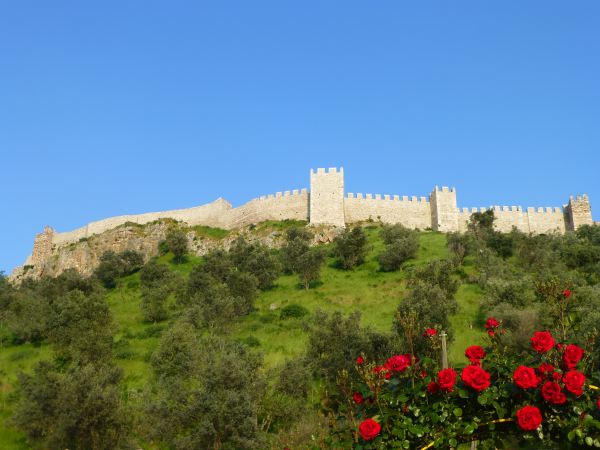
(328, 203)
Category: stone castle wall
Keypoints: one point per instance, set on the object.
(411, 212)
(327, 203)
(536, 221)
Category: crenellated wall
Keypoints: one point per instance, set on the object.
(411, 212)
(327, 203)
(536, 221)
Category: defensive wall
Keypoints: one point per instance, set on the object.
(328, 203)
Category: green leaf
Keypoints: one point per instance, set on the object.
(457, 412)
(463, 393)
(589, 441)
(453, 442)
(571, 435)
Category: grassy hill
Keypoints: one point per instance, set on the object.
(375, 294)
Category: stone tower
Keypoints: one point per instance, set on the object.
(444, 212)
(578, 212)
(327, 197)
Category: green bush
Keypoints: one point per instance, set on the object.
(293, 311)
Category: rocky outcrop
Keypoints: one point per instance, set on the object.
(84, 255)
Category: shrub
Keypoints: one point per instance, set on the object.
(293, 311)
(350, 247)
(177, 243)
(401, 244)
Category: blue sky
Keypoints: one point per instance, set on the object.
(116, 107)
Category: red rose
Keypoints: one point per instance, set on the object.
(542, 341)
(552, 393)
(475, 353)
(476, 377)
(525, 377)
(429, 332)
(360, 360)
(572, 355)
(546, 369)
(491, 333)
(567, 293)
(491, 323)
(598, 403)
(369, 429)
(398, 363)
(433, 387)
(556, 376)
(529, 418)
(573, 381)
(446, 379)
(358, 398)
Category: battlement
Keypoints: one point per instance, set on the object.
(323, 171)
(386, 197)
(293, 193)
(327, 203)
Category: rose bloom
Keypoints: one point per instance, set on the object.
(446, 379)
(525, 377)
(475, 353)
(567, 293)
(358, 398)
(491, 333)
(529, 418)
(398, 363)
(433, 387)
(552, 393)
(556, 376)
(476, 377)
(429, 332)
(542, 341)
(491, 323)
(369, 429)
(572, 355)
(573, 381)
(546, 369)
(360, 360)
(598, 403)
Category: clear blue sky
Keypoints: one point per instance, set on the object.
(116, 107)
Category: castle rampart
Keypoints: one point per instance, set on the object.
(327, 203)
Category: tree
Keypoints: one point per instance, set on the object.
(350, 247)
(215, 405)
(257, 260)
(110, 267)
(113, 265)
(80, 326)
(458, 245)
(309, 265)
(426, 306)
(481, 224)
(436, 273)
(335, 341)
(157, 284)
(297, 243)
(80, 408)
(401, 244)
(177, 243)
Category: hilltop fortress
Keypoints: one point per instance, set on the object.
(328, 203)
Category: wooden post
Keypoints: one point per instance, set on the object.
(443, 336)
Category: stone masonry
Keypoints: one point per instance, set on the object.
(327, 203)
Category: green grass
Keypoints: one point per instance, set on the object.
(375, 294)
(202, 231)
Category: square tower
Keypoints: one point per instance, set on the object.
(327, 197)
(579, 212)
(444, 212)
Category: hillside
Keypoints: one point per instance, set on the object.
(375, 294)
(233, 332)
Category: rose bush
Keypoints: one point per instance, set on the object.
(542, 396)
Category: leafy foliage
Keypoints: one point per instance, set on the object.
(350, 247)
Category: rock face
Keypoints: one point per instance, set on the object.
(84, 256)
